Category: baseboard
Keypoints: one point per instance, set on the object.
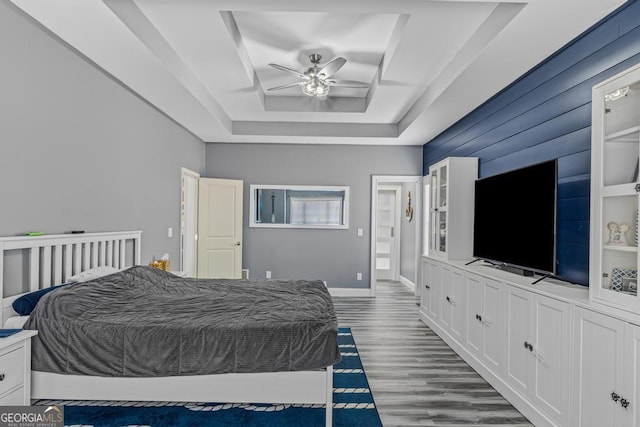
(408, 283)
(535, 416)
(350, 292)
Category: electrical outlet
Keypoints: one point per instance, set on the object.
(360, 232)
(170, 232)
(358, 276)
(268, 275)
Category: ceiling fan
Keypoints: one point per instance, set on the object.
(315, 80)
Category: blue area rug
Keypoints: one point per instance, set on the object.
(353, 405)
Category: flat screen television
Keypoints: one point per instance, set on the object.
(515, 218)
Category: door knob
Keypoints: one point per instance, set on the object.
(238, 243)
(615, 396)
(624, 403)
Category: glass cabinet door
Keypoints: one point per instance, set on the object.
(433, 241)
(619, 131)
(439, 177)
(442, 209)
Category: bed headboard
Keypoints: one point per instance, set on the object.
(52, 259)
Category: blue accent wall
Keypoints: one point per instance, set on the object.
(546, 114)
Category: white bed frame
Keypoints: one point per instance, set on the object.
(52, 259)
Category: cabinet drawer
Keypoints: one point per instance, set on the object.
(13, 399)
(12, 367)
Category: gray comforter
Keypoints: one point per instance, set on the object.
(146, 322)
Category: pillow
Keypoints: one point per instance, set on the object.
(92, 274)
(15, 322)
(27, 302)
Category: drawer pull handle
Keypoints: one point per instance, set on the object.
(1, 377)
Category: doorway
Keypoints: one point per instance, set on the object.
(189, 222)
(407, 229)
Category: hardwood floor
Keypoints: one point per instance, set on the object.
(415, 378)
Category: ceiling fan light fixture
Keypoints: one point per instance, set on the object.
(315, 87)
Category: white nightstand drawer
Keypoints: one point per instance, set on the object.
(12, 369)
(13, 399)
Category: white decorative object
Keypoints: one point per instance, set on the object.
(618, 233)
(621, 277)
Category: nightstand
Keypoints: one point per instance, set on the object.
(15, 369)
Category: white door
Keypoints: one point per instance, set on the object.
(220, 228)
(189, 223)
(387, 234)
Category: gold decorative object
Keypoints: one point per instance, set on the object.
(408, 212)
(162, 264)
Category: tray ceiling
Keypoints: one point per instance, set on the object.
(204, 63)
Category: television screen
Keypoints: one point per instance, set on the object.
(515, 217)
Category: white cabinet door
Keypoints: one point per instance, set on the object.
(425, 295)
(538, 348)
(453, 302)
(599, 360)
(436, 285)
(492, 320)
(551, 364)
(446, 276)
(519, 332)
(457, 303)
(482, 336)
(475, 311)
(630, 400)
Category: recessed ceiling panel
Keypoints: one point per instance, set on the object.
(288, 38)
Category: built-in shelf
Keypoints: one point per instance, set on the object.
(620, 135)
(621, 248)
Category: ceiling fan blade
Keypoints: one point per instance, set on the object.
(332, 66)
(348, 83)
(288, 85)
(289, 70)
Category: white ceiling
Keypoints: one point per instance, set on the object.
(205, 62)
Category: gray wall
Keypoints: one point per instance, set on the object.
(408, 231)
(78, 150)
(332, 255)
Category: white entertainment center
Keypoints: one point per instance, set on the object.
(562, 354)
